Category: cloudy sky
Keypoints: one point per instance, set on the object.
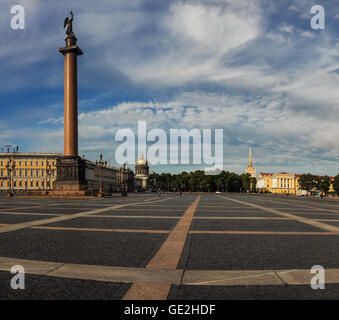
(255, 68)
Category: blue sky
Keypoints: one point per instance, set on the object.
(254, 68)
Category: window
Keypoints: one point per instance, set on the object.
(42, 163)
(32, 173)
(42, 172)
(20, 163)
(20, 183)
(26, 163)
(26, 173)
(32, 184)
(37, 184)
(37, 163)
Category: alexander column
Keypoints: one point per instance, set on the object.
(71, 169)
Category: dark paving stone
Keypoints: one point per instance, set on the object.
(117, 223)
(18, 218)
(82, 247)
(291, 292)
(234, 213)
(240, 252)
(142, 213)
(252, 225)
(53, 288)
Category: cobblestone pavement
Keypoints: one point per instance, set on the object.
(198, 246)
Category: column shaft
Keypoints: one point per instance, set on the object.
(71, 105)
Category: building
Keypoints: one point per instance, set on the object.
(250, 168)
(125, 180)
(142, 172)
(283, 183)
(106, 175)
(27, 171)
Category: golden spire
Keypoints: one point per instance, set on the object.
(250, 157)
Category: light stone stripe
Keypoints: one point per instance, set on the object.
(31, 207)
(168, 277)
(24, 225)
(194, 218)
(310, 222)
(320, 233)
(31, 213)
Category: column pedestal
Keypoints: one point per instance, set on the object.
(71, 177)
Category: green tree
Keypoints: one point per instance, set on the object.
(308, 182)
(324, 184)
(253, 183)
(336, 184)
(245, 181)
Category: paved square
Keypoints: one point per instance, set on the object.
(198, 246)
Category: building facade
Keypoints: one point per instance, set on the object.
(125, 179)
(283, 183)
(27, 171)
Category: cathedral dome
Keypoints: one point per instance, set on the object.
(141, 160)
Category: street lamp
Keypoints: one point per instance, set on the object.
(124, 181)
(101, 164)
(10, 166)
(48, 177)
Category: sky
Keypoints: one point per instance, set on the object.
(254, 68)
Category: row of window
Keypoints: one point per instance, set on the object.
(25, 184)
(29, 163)
(27, 173)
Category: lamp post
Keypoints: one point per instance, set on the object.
(124, 176)
(10, 166)
(48, 177)
(101, 164)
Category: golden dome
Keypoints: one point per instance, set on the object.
(141, 160)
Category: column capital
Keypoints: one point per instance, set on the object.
(71, 49)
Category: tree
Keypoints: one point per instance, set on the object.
(336, 184)
(253, 183)
(324, 184)
(245, 181)
(308, 182)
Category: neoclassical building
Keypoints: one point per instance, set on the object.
(142, 171)
(27, 171)
(283, 182)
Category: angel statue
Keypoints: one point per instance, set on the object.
(69, 24)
